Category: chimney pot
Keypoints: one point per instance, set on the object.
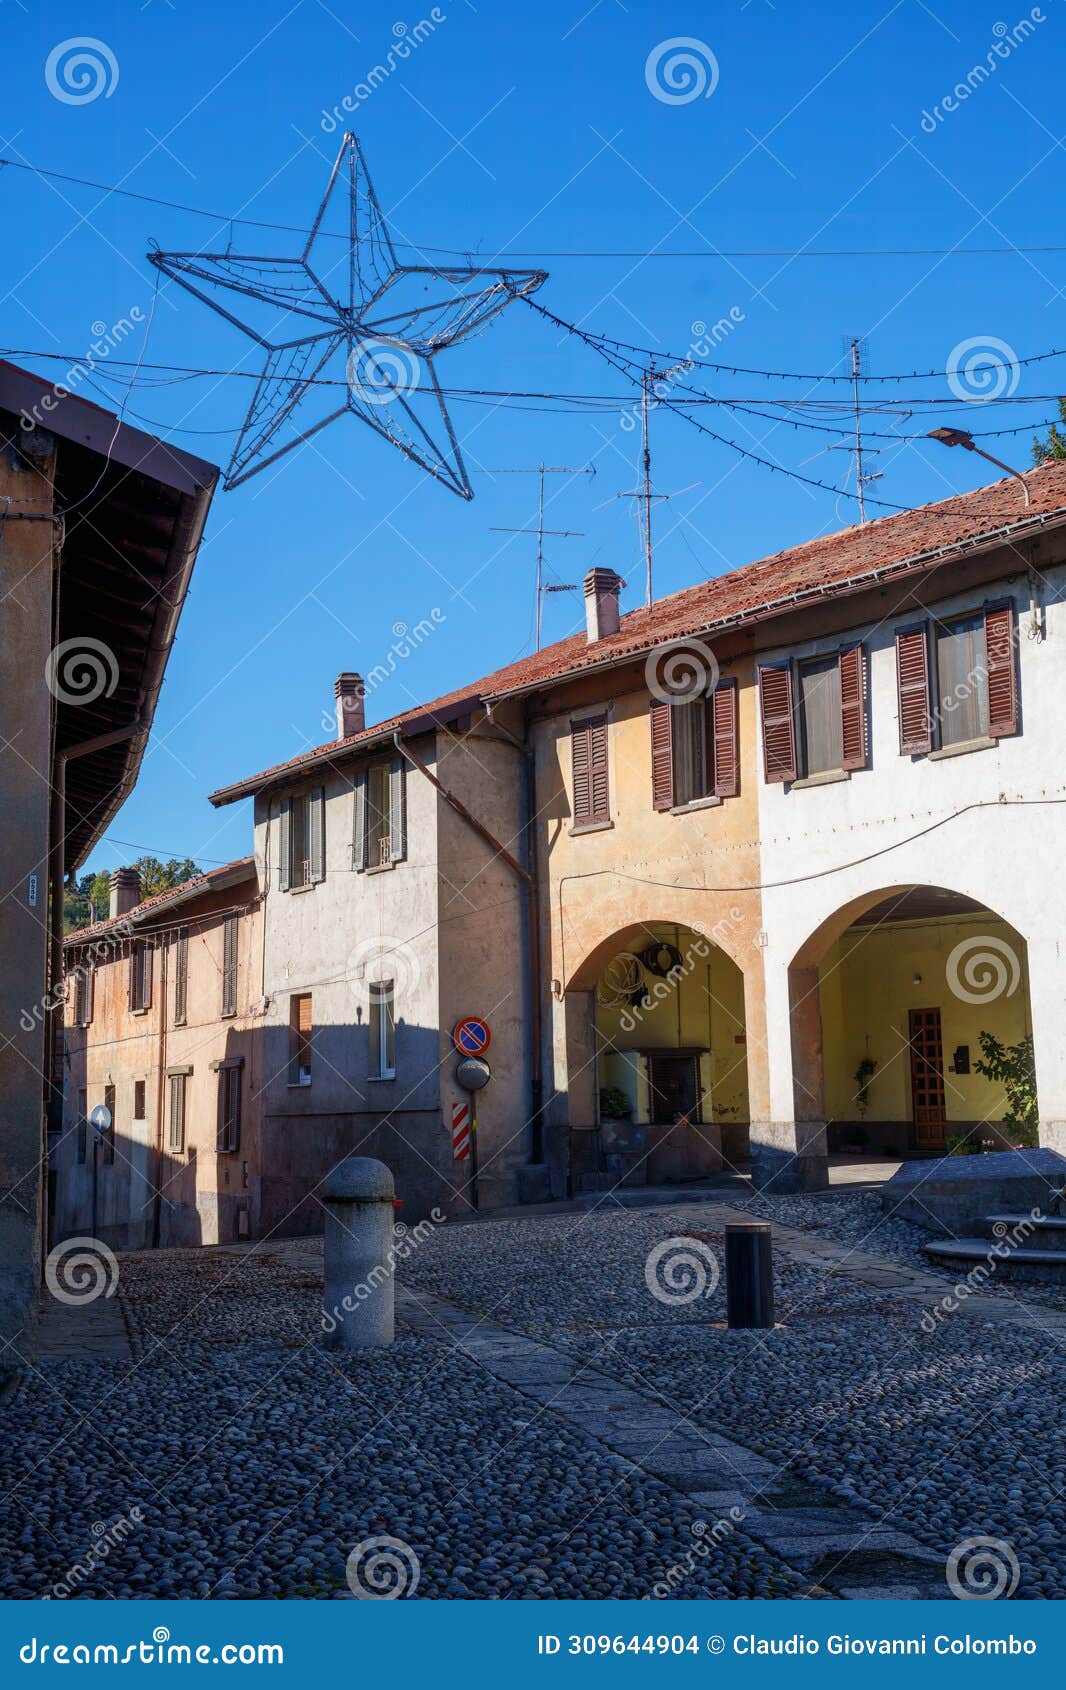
(350, 692)
(125, 892)
(602, 619)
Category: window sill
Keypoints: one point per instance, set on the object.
(378, 1079)
(308, 887)
(143, 1011)
(826, 777)
(709, 803)
(380, 868)
(590, 827)
(297, 1085)
(962, 749)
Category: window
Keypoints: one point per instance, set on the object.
(382, 1031)
(229, 965)
(303, 840)
(83, 1127)
(694, 754)
(378, 816)
(814, 715)
(176, 1113)
(229, 1107)
(380, 829)
(961, 680)
(108, 1138)
(83, 994)
(821, 744)
(141, 975)
(181, 976)
(139, 1095)
(588, 758)
(300, 1028)
(972, 663)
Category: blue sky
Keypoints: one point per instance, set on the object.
(541, 129)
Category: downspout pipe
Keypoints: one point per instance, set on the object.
(528, 880)
(532, 950)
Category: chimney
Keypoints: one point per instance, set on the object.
(349, 691)
(601, 603)
(125, 892)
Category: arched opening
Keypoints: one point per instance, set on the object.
(910, 1016)
(656, 1054)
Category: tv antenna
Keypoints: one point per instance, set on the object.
(540, 531)
(645, 493)
(857, 350)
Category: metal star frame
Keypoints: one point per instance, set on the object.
(388, 341)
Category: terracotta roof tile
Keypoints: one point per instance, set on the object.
(159, 900)
(908, 540)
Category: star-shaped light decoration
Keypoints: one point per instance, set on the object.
(369, 335)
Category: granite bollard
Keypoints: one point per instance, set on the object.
(360, 1292)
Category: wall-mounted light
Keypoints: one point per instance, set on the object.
(917, 979)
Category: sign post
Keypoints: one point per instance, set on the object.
(471, 1037)
(100, 1119)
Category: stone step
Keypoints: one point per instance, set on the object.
(1023, 1263)
(1047, 1233)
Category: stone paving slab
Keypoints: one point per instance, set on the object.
(821, 1538)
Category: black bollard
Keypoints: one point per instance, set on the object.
(749, 1274)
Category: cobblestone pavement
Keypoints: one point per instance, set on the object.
(563, 1414)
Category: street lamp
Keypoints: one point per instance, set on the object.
(961, 437)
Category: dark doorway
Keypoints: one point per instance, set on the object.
(674, 1087)
(927, 1079)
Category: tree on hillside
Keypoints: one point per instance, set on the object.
(1054, 445)
(89, 899)
(160, 877)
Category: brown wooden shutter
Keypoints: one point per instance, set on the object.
(723, 703)
(853, 708)
(229, 965)
(285, 845)
(778, 722)
(181, 977)
(588, 753)
(662, 753)
(1002, 671)
(912, 680)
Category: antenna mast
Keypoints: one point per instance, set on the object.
(540, 531)
(857, 350)
(644, 493)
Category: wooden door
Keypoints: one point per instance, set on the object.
(927, 1079)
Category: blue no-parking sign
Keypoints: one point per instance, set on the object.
(472, 1036)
